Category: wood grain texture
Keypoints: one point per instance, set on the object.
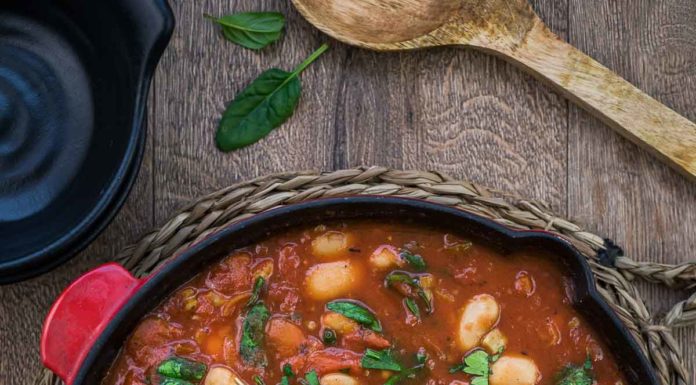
(463, 112)
(616, 188)
(510, 29)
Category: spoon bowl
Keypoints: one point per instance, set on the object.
(512, 30)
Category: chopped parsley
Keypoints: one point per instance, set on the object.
(312, 378)
(478, 365)
(383, 360)
(573, 375)
(355, 312)
(258, 380)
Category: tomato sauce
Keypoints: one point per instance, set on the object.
(431, 298)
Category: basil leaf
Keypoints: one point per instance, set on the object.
(414, 260)
(265, 104)
(573, 375)
(312, 378)
(355, 312)
(374, 359)
(181, 368)
(250, 348)
(412, 306)
(253, 30)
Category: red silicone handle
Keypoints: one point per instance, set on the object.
(79, 316)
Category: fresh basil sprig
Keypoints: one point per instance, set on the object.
(253, 30)
(264, 105)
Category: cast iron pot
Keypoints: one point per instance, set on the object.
(89, 322)
(74, 77)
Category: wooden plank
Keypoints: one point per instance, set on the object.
(201, 72)
(479, 118)
(24, 306)
(615, 187)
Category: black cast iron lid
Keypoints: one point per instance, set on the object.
(74, 77)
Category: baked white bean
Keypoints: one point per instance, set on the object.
(331, 280)
(514, 370)
(479, 315)
(338, 379)
(331, 245)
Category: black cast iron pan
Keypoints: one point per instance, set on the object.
(82, 335)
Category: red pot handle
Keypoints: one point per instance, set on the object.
(80, 314)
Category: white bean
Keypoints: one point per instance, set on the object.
(514, 370)
(480, 314)
(222, 376)
(338, 379)
(331, 280)
(331, 245)
(385, 257)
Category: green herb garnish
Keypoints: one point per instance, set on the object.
(312, 378)
(410, 372)
(287, 370)
(262, 106)
(375, 359)
(478, 365)
(181, 368)
(253, 30)
(573, 375)
(414, 282)
(414, 260)
(412, 306)
(256, 291)
(173, 381)
(329, 337)
(258, 380)
(252, 335)
(355, 312)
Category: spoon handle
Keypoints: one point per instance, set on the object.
(622, 106)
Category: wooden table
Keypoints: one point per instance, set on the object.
(455, 110)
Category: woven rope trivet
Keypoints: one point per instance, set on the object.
(614, 273)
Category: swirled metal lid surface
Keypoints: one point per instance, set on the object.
(73, 84)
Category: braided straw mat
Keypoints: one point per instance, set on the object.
(614, 273)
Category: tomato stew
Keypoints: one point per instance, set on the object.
(366, 302)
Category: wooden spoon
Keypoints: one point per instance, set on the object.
(511, 29)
